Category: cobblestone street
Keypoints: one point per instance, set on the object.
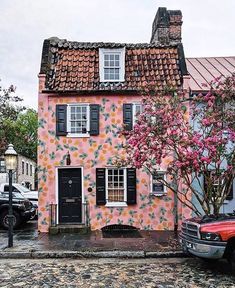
(114, 273)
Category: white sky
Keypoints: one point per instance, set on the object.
(208, 30)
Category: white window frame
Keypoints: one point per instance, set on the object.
(69, 134)
(134, 118)
(121, 52)
(151, 184)
(116, 204)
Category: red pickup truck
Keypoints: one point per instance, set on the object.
(209, 237)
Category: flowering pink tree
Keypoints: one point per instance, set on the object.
(198, 143)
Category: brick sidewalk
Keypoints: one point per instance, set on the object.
(28, 240)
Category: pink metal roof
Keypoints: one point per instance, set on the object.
(203, 70)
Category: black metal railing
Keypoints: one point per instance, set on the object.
(85, 214)
(53, 215)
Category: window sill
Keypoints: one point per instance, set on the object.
(158, 194)
(78, 135)
(110, 81)
(116, 204)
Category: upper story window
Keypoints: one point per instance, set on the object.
(112, 65)
(31, 170)
(2, 166)
(22, 167)
(137, 109)
(78, 122)
(27, 168)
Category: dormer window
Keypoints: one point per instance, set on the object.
(112, 65)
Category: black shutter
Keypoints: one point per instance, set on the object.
(61, 120)
(127, 116)
(131, 186)
(100, 186)
(230, 194)
(94, 119)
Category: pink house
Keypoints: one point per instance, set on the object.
(87, 91)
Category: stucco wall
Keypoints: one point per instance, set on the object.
(150, 212)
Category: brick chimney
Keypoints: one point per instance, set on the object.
(166, 27)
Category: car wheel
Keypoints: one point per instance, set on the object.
(209, 260)
(231, 259)
(4, 219)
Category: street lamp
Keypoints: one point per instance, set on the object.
(11, 164)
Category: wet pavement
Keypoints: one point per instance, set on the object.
(161, 273)
(28, 239)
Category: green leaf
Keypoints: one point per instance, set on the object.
(113, 107)
(52, 156)
(107, 129)
(93, 163)
(109, 141)
(110, 161)
(104, 101)
(83, 156)
(59, 147)
(106, 116)
(73, 148)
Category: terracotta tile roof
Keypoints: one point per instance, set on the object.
(204, 70)
(74, 66)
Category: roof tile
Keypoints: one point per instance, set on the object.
(75, 66)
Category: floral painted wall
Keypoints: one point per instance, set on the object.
(150, 212)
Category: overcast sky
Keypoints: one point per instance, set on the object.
(208, 30)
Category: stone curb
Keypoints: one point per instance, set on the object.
(89, 254)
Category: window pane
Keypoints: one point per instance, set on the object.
(115, 185)
(78, 119)
(106, 57)
(111, 57)
(158, 187)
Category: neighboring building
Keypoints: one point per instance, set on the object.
(25, 173)
(202, 71)
(86, 92)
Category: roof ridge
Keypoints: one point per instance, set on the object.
(64, 43)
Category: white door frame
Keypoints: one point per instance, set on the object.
(57, 188)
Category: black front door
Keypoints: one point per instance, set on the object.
(70, 195)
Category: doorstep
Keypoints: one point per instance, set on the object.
(69, 228)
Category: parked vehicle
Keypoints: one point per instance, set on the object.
(31, 195)
(209, 237)
(23, 209)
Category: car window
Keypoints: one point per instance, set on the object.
(14, 189)
(22, 188)
(6, 188)
(17, 195)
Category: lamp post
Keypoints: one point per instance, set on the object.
(11, 164)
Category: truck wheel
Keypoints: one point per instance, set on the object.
(4, 219)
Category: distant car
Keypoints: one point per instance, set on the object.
(31, 195)
(23, 209)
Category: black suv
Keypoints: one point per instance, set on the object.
(23, 209)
